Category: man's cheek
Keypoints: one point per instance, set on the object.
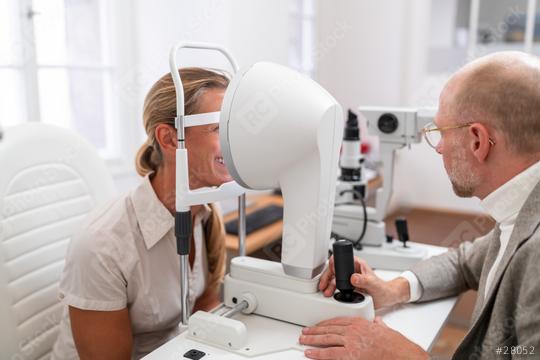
(446, 163)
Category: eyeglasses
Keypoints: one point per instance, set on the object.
(433, 134)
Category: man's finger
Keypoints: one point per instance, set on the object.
(321, 330)
(357, 264)
(361, 266)
(327, 275)
(340, 321)
(330, 289)
(362, 281)
(325, 279)
(333, 353)
(379, 320)
(322, 340)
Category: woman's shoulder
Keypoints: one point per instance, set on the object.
(107, 225)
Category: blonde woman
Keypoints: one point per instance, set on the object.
(121, 281)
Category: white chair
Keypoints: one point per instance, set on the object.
(50, 178)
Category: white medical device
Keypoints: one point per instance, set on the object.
(396, 128)
(279, 128)
(185, 197)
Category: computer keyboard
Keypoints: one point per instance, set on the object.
(257, 219)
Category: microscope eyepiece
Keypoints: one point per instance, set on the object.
(351, 157)
(351, 132)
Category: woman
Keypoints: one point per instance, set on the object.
(121, 281)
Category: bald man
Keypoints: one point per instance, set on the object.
(489, 138)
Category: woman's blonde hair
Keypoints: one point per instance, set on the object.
(214, 234)
(160, 108)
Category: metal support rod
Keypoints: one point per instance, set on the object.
(219, 309)
(183, 221)
(184, 291)
(529, 26)
(235, 310)
(180, 131)
(473, 29)
(242, 225)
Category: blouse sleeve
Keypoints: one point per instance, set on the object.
(92, 278)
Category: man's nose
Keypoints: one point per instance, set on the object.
(438, 148)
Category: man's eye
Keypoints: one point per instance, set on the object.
(215, 128)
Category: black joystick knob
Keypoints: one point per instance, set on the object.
(402, 231)
(344, 268)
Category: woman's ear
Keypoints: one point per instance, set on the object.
(166, 138)
(480, 144)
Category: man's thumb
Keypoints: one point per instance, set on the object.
(360, 281)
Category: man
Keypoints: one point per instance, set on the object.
(489, 137)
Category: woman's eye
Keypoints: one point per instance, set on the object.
(215, 128)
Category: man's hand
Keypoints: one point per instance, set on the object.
(356, 339)
(384, 293)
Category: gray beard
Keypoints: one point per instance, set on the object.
(464, 178)
(462, 191)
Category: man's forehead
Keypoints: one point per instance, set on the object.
(444, 109)
(448, 93)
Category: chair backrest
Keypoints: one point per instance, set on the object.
(50, 178)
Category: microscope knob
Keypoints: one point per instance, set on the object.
(402, 230)
(343, 264)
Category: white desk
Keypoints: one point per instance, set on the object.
(420, 323)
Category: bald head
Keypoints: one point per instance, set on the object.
(501, 90)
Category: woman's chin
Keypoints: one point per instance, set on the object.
(221, 178)
(226, 178)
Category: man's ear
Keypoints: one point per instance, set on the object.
(480, 145)
(166, 138)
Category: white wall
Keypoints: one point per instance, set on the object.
(443, 21)
(359, 46)
(381, 60)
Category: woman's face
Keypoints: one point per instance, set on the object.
(206, 166)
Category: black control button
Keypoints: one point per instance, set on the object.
(194, 354)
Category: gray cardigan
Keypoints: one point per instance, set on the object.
(510, 314)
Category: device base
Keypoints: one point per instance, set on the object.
(286, 304)
(217, 330)
(266, 339)
(391, 256)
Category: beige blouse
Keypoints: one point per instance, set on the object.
(125, 256)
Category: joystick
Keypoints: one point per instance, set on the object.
(344, 268)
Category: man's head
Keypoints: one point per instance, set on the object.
(498, 96)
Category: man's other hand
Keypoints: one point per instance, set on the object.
(356, 338)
